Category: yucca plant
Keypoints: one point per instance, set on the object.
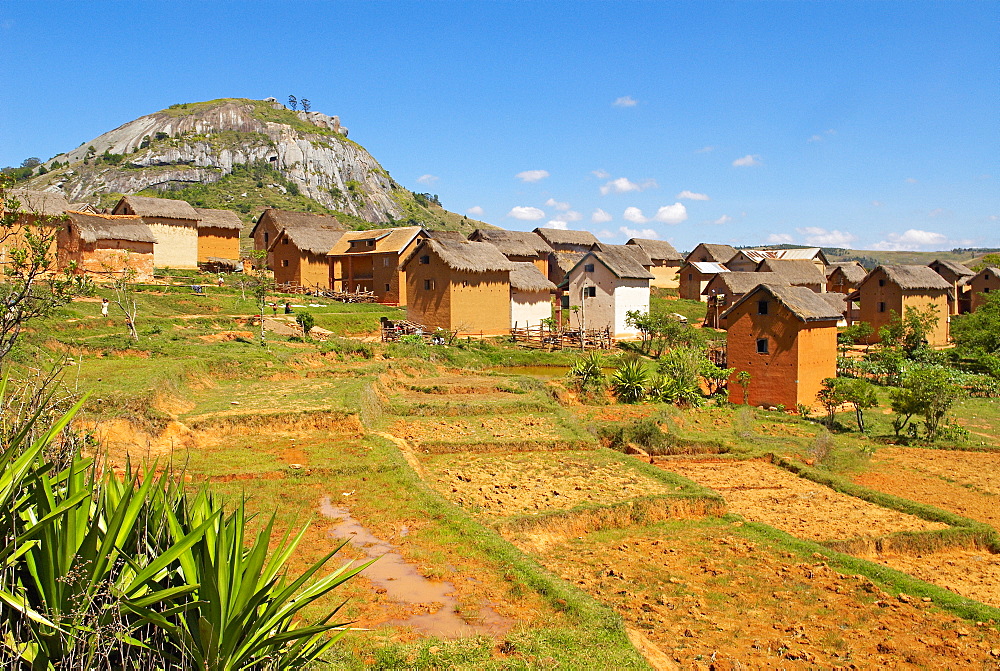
(587, 372)
(629, 381)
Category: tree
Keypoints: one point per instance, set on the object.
(743, 379)
(306, 321)
(661, 331)
(123, 286)
(909, 332)
(928, 392)
(977, 334)
(855, 334)
(293, 103)
(28, 289)
(306, 104)
(861, 394)
(261, 285)
(32, 162)
(832, 397)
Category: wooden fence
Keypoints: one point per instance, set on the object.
(541, 337)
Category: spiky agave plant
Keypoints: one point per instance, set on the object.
(629, 381)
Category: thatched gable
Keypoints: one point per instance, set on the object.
(466, 256)
(794, 272)
(851, 271)
(46, 203)
(455, 236)
(912, 278)
(738, 283)
(526, 276)
(712, 252)
(563, 262)
(163, 208)
(512, 243)
(952, 271)
(805, 304)
(559, 236)
(635, 251)
(288, 219)
(657, 250)
(209, 218)
(94, 227)
(311, 239)
(621, 263)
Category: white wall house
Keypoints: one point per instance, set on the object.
(607, 284)
(530, 295)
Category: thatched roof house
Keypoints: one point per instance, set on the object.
(803, 304)
(454, 236)
(106, 244)
(299, 255)
(636, 252)
(608, 283)
(724, 289)
(45, 203)
(372, 261)
(517, 245)
(796, 273)
(218, 234)
(710, 252)
(530, 295)
(660, 251)
(746, 259)
(156, 208)
(272, 221)
(892, 289)
(173, 222)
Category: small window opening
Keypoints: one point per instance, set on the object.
(425, 259)
(762, 307)
(762, 346)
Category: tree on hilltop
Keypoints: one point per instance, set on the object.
(293, 103)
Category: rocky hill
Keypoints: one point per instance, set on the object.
(243, 155)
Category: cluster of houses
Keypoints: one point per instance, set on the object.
(139, 232)
(780, 307)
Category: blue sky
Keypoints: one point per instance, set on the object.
(869, 125)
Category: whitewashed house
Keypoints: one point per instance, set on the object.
(530, 295)
(607, 284)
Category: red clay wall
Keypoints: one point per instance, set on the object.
(431, 307)
(981, 286)
(219, 243)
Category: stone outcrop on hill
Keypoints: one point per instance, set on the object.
(202, 142)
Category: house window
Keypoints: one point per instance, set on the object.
(762, 307)
(761, 345)
(881, 283)
(285, 241)
(986, 290)
(881, 306)
(370, 243)
(588, 268)
(425, 259)
(429, 285)
(385, 262)
(387, 287)
(284, 263)
(690, 277)
(266, 237)
(590, 292)
(564, 301)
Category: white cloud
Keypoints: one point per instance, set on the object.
(691, 195)
(994, 217)
(526, 213)
(877, 203)
(779, 239)
(599, 216)
(600, 174)
(747, 161)
(724, 219)
(571, 215)
(625, 101)
(937, 212)
(821, 237)
(644, 233)
(606, 235)
(910, 180)
(635, 215)
(625, 185)
(552, 202)
(911, 239)
(427, 179)
(706, 149)
(815, 138)
(532, 175)
(475, 211)
(561, 225)
(672, 214)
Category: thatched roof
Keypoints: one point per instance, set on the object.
(620, 262)
(312, 239)
(738, 283)
(445, 235)
(794, 272)
(468, 257)
(837, 301)
(713, 252)
(385, 239)
(48, 203)
(287, 219)
(851, 270)
(802, 302)
(525, 276)
(94, 227)
(635, 251)
(912, 278)
(512, 243)
(960, 271)
(164, 208)
(564, 262)
(218, 219)
(658, 250)
(559, 236)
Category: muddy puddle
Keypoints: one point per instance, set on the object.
(404, 584)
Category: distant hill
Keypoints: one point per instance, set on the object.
(243, 155)
(870, 258)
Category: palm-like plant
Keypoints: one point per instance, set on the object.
(629, 381)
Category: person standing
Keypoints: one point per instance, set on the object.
(104, 307)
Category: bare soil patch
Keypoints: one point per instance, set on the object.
(459, 429)
(975, 574)
(502, 485)
(960, 482)
(707, 595)
(765, 493)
